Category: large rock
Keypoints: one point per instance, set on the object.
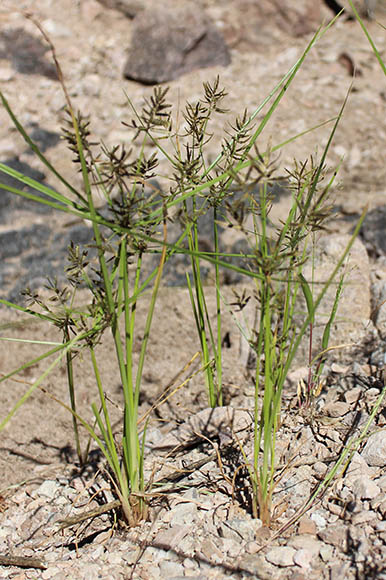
(26, 52)
(168, 42)
(373, 230)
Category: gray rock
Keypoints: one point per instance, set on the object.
(168, 42)
(352, 395)
(326, 553)
(15, 242)
(191, 565)
(370, 6)
(257, 565)
(339, 570)
(298, 485)
(360, 539)
(374, 452)
(373, 230)
(26, 53)
(320, 468)
(378, 356)
(378, 296)
(9, 201)
(232, 547)
(381, 526)
(336, 409)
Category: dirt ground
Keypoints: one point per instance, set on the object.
(91, 41)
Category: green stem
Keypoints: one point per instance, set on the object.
(218, 352)
(71, 390)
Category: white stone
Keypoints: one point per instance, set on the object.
(48, 488)
(381, 526)
(50, 572)
(91, 85)
(306, 542)
(241, 529)
(365, 488)
(6, 74)
(357, 468)
(326, 552)
(4, 532)
(55, 29)
(381, 482)
(374, 452)
(319, 520)
(169, 569)
(281, 556)
(97, 553)
(232, 547)
(172, 537)
(190, 564)
(303, 558)
(115, 558)
(364, 517)
(183, 513)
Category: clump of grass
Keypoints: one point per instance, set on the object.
(114, 283)
(136, 225)
(279, 258)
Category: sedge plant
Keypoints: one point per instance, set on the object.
(136, 224)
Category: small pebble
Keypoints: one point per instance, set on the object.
(282, 556)
(303, 558)
(364, 517)
(319, 520)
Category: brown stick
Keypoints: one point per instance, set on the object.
(22, 562)
(89, 514)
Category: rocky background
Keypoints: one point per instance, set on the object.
(113, 47)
